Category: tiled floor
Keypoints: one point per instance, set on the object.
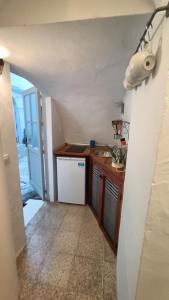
(67, 257)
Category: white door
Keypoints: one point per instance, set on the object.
(32, 111)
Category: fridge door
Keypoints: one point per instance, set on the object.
(71, 179)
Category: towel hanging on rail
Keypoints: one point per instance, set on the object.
(142, 62)
(140, 67)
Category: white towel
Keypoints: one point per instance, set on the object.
(140, 67)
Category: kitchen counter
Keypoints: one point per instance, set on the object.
(104, 189)
(104, 162)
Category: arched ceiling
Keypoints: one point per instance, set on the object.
(158, 3)
(29, 12)
(81, 65)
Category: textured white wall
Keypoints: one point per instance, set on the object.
(81, 66)
(54, 139)
(87, 117)
(58, 139)
(160, 2)
(57, 127)
(7, 131)
(19, 12)
(146, 117)
(127, 109)
(8, 273)
(154, 267)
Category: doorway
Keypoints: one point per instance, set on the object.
(27, 115)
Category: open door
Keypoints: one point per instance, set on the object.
(32, 111)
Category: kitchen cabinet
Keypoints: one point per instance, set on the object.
(106, 202)
(95, 190)
(112, 210)
(104, 189)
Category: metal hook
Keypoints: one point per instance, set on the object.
(148, 33)
(149, 24)
(141, 46)
(145, 41)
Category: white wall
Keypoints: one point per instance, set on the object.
(7, 132)
(154, 268)
(87, 117)
(55, 139)
(58, 138)
(127, 109)
(8, 273)
(57, 128)
(146, 118)
(160, 2)
(19, 12)
(85, 63)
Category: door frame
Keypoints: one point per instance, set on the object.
(39, 121)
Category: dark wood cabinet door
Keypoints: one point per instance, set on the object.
(95, 190)
(110, 209)
(106, 202)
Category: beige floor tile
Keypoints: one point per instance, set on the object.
(32, 226)
(91, 248)
(91, 233)
(26, 288)
(65, 242)
(30, 264)
(50, 222)
(109, 281)
(89, 220)
(64, 295)
(86, 277)
(71, 223)
(56, 270)
(39, 291)
(88, 212)
(67, 257)
(77, 210)
(91, 230)
(38, 242)
(88, 297)
(109, 255)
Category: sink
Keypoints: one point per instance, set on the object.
(103, 154)
(76, 149)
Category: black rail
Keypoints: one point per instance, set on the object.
(149, 23)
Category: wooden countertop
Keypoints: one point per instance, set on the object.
(104, 162)
(62, 152)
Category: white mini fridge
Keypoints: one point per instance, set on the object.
(71, 179)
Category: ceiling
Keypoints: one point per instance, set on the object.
(81, 65)
(29, 12)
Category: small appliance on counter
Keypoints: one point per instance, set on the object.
(92, 144)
